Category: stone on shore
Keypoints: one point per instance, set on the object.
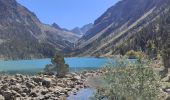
(47, 82)
(41, 87)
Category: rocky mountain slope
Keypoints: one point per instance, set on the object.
(81, 31)
(130, 24)
(22, 35)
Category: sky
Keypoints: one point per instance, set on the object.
(68, 13)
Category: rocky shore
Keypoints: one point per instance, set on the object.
(43, 87)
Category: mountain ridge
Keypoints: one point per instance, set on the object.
(117, 24)
(23, 36)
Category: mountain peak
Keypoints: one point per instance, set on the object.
(81, 31)
(56, 26)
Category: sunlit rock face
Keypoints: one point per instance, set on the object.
(119, 24)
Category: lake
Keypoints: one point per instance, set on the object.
(32, 67)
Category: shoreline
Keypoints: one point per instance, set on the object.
(4, 59)
(43, 87)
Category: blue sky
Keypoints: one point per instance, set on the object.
(68, 13)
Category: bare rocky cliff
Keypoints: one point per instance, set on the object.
(23, 36)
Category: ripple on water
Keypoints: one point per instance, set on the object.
(83, 94)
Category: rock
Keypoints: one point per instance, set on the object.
(51, 89)
(72, 85)
(33, 94)
(4, 87)
(16, 94)
(68, 89)
(44, 92)
(166, 79)
(46, 97)
(8, 95)
(61, 84)
(75, 78)
(62, 93)
(18, 76)
(68, 76)
(47, 82)
(23, 87)
(23, 94)
(79, 82)
(77, 89)
(17, 88)
(2, 97)
(30, 85)
(167, 90)
(13, 80)
(26, 90)
(37, 79)
(75, 93)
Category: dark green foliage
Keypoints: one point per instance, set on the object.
(58, 66)
(152, 39)
(166, 56)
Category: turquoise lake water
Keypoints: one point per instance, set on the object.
(34, 66)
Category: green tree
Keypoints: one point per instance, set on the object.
(58, 66)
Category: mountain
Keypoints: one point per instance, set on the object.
(23, 36)
(130, 24)
(81, 31)
(56, 26)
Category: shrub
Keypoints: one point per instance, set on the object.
(58, 66)
(130, 81)
(135, 55)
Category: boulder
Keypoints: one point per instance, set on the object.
(61, 84)
(8, 95)
(33, 94)
(76, 77)
(23, 94)
(44, 92)
(69, 76)
(13, 80)
(16, 94)
(47, 82)
(167, 89)
(30, 85)
(37, 79)
(4, 87)
(2, 97)
(26, 90)
(68, 89)
(17, 88)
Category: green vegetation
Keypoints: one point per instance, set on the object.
(134, 55)
(58, 66)
(130, 81)
(166, 57)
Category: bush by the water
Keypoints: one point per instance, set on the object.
(135, 54)
(130, 81)
(58, 66)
